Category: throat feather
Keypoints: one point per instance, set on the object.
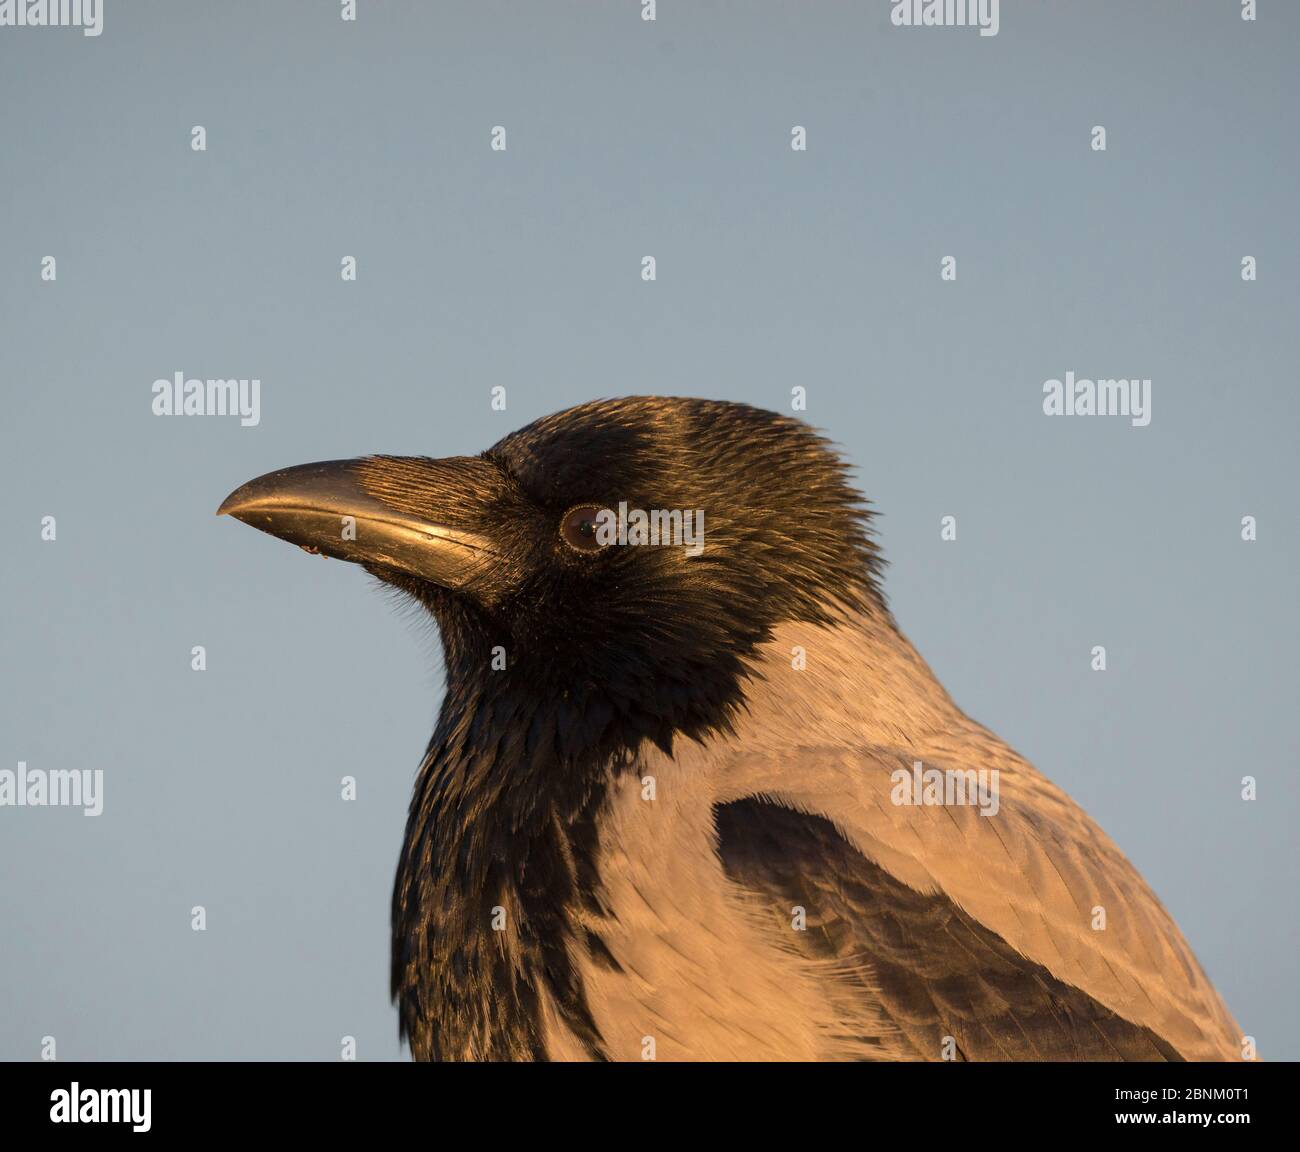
(497, 871)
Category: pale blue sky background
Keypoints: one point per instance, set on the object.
(521, 269)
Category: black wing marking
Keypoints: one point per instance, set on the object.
(929, 967)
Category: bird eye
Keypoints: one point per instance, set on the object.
(578, 528)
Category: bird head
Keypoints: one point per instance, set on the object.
(627, 554)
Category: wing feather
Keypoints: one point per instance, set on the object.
(1028, 877)
(947, 986)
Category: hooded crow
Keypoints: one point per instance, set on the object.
(707, 802)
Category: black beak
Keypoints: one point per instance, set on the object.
(328, 508)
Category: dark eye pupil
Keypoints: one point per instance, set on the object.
(581, 529)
